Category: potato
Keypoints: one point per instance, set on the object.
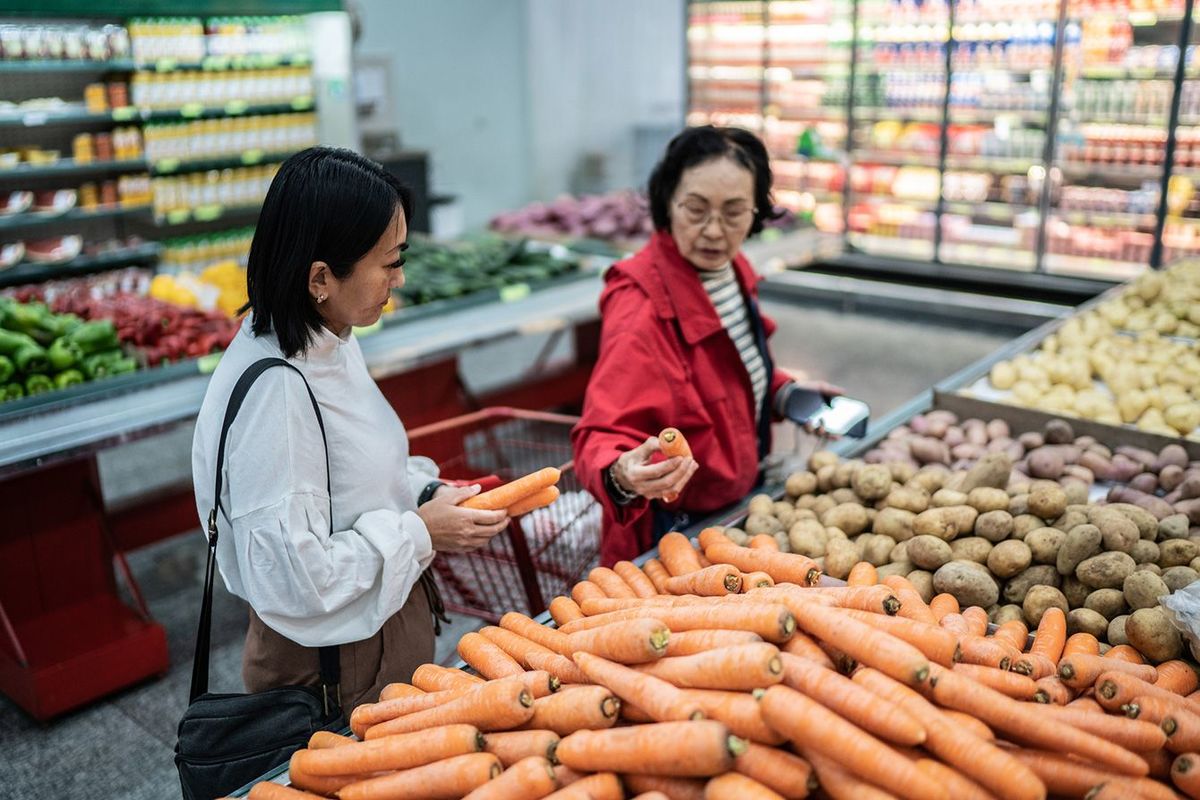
(1018, 585)
(1076, 490)
(901, 568)
(1116, 630)
(922, 581)
(821, 505)
(902, 471)
(1070, 518)
(1116, 530)
(894, 522)
(762, 523)
(762, 504)
(850, 517)
(968, 582)
(1177, 553)
(1143, 590)
(929, 552)
(1045, 543)
(971, 548)
(1147, 523)
(1178, 577)
(803, 513)
(840, 557)
(1018, 504)
(1084, 620)
(945, 523)
(908, 498)
(872, 482)
(985, 498)
(1045, 463)
(944, 498)
(995, 526)
(877, 548)
(825, 478)
(1025, 523)
(1075, 592)
(991, 470)
(928, 450)
(1108, 602)
(822, 458)
(1048, 502)
(1145, 552)
(806, 502)
(930, 478)
(785, 546)
(800, 483)
(808, 538)
(1173, 527)
(1105, 571)
(737, 536)
(1151, 632)
(1040, 598)
(1007, 613)
(1058, 431)
(1154, 568)
(899, 553)
(845, 495)
(1009, 558)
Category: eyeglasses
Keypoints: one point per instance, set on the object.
(699, 216)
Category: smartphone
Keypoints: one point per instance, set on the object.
(839, 416)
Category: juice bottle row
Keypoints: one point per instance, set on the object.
(252, 86)
(242, 186)
(230, 136)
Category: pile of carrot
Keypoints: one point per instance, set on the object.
(688, 679)
(528, 493)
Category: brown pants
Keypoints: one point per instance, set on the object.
(404, 643)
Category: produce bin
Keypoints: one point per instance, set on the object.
(542, 554)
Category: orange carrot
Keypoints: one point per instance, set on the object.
(714, 581)
(657, 574)
(1181, 726)
(486, 658)
(510, 493)
(1081, 644)
(1051, 689)
(651, 796)
(567, 776)
(1011, 684)
(866, 644)
(368, 714)
(1177, 676)
(978, 619)
(943, 604)
(1131, 734)
(317, 784)
(1160, 763)
(703, 559)
(435, 678)
(937, 644)
(818, 730)
(679, 749)
(1185, 774)
(322, 740)
(763, 542)
(441, 780)
(782, 567)
(804, 647)
(1080, 672)
(852, 702)
(842, 662)
(1086, 703)
(559, 666)
(777, 769)
(969, 723)
(497, 705)
(632, 641)
(739, 711)
(513, 746)
(1068, 777)
(585, 590)
(403, 751)
(635, 578)
(732, 786)
(601, 786)
(660, 700)
(756, 580)
(1116, 689)
(742, 667)
(841, 783)
(876, 599)
(959, 785)
(548, 638)
(676, 553)
(395, 690)
(1004, 714)
(564, 610)
(674, 788)
(517, 646)
(912, 605)
(1126, 653)
(612, 584)
(588, 707)
(772, 622)
(687, 643)
(711, 536)
(533, 502)
(673, 445)
(862, 574)
(273, 791)
(1013, 633)
(528, 779)
(979, 650)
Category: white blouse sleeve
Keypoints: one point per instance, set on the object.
(422, 471)
(311, 584)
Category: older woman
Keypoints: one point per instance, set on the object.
(326, 528)
(684, 344)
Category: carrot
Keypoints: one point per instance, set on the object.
(317, 784)
(651, 796)
(529, 779)
(602, 786)
(777, 769)
(588, 707)
(564, 610)
(712, 535)
(1185, 774)
(368, 714)
(773, 622)
(676, 553)
(715, 581)
(395, 690)
(732, 786)
(1126, 653)
(866, 644)
(687, 643)
(513, 746)
(959, 785)
(1081, 644)
(1047, 647)
(1051, 689)
(977, 758)
(548, 638)
(782, 567)
(673, 445)
(804, 647)
(756, 580)
(876, 599)
(585, 590)
(935, 643)
(533, 502)
(632, 641)
(703, 559)
(861, 574)
(842, 662)
(657, 574)
(838, 693)
(739, 711)
(567, 776)
(1177, 676)
(1004, 714)
(816, 729)
(498, 705)
(1067, 776)
(660, 700)
(403, 751)
(1116, 689)
(971, 724)
(763, 542)
(1160, 763)
(435, 678)
(1181, 726)
(742, 667)
(517, 646)
(978, 619)
(612, 584)
(841, 783)
(943, 604)
(679, 749)
(912, 605)
(1016, 686)
(486, 658)
(441, 780)
(635, 578)
(1080, 672)
(985, 652)
(273, 791)
(674, 788)
(509, 494)
(1128, 733)
(559, 666)
(1013, 633)
(1086, 703)
(323, 740)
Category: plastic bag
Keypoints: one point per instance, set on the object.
(1183, 609)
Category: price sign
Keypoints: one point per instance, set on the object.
(209, 212)
(191, 110)
(252, 157)
(178, 216)
(124, 114)
(234, 107)
(166, 65)
(514, 292)
(302, 103)
(166, 165)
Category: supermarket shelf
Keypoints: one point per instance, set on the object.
(30, 272)
(1098, 268)
(1117, 72)
(1121, 172)
(996, 164)
(67, 115)
(903, 114)
(75, 215)
(895, 159)
(68, 65)
(1006, 258)
(995, 211)
(891, 246)
(980, 115)
(786, 114)
(206, 213)
(1131, 120)
(174, 166)
(69, 167)
(226, 63)
(78, 115)
(925, 204)
(1104, 219)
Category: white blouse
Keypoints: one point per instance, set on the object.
(316, 581)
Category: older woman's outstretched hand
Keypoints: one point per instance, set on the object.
(635, 472)
(459, 530)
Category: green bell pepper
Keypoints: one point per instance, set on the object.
(67, 323)
(95, 337)
(31, 358)
(12, 341)
(122, 366)
(64, 354)
(33, 319)
(38, 384)
(6, 369)
(11, 391)
(99, 365)
(69, 377)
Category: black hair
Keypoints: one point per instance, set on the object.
(700, 144)
(325, 204)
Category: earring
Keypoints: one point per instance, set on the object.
(321, 298)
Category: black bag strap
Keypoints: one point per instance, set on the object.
(330, 665)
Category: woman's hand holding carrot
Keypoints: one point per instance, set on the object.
(457, 529)
(635, 472)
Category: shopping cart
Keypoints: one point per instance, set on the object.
(542, 554)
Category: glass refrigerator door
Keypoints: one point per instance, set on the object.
(1181, 234)
(1118, 67)
(1000, 87)
(899, 88)
(726, 57)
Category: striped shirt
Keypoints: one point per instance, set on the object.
(726, 296)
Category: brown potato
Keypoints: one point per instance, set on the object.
(901, 568)
(845, 495)
(1007, 613)
(1117, 531)
(825, 477)
(1178, 577)
(1070, 518)
(913, 498)
(808, 538)
(1075, 592)
(1045, 543)
(850, 517)
(1082, 542)
(968, 582)
(1147, 523)
(1108, 602)
(1177, 553)
(985, 498)
(995, 526)
(991, 470)
(822, 504)
(840, 557)
(1154, 568)
(1173, 527)
(929, 552)
(1025, 523)
(1144, 589)
(762, 523)
(1149, 630)
(1038, 575)
(971, 548)
(945, 523)
(822, 458)
(1040, 598)
(1018, 504)
(894, 522)
(1084, 620)
(762, 504)
(1105, 571)
(1009, 558)
(922, 581)
(872, 482)
(1045, 463)
(944, 498)
(877, 548)
(1047, 501)
(800, 483)
(1145, 552)
(930, 478)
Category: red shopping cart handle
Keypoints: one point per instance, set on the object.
(486, 483)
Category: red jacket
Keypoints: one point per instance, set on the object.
(665, 360)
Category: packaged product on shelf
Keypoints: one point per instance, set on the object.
(243, 186)
(256, 36)
(67, 41)
(179, 39)
(169, 90)
(195, 254)
(230, 136)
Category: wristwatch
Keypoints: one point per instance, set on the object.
(616, 491)
(428, 492)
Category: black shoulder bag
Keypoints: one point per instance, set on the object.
(228, 740)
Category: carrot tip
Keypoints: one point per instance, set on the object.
(555, 683)
(1131, 710)
(526, 699)
(1169, 726)
(610, 707)
(733, 583)
(736, 746)
(1041, 696)
(1023, 667)
(1066, 672)
(891, 606)
(659, 640)
(1006, 662)
(480, 741)
(1107, 690)
(813, 576)
(775, 665)
(922, 673)
(1183, 765)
